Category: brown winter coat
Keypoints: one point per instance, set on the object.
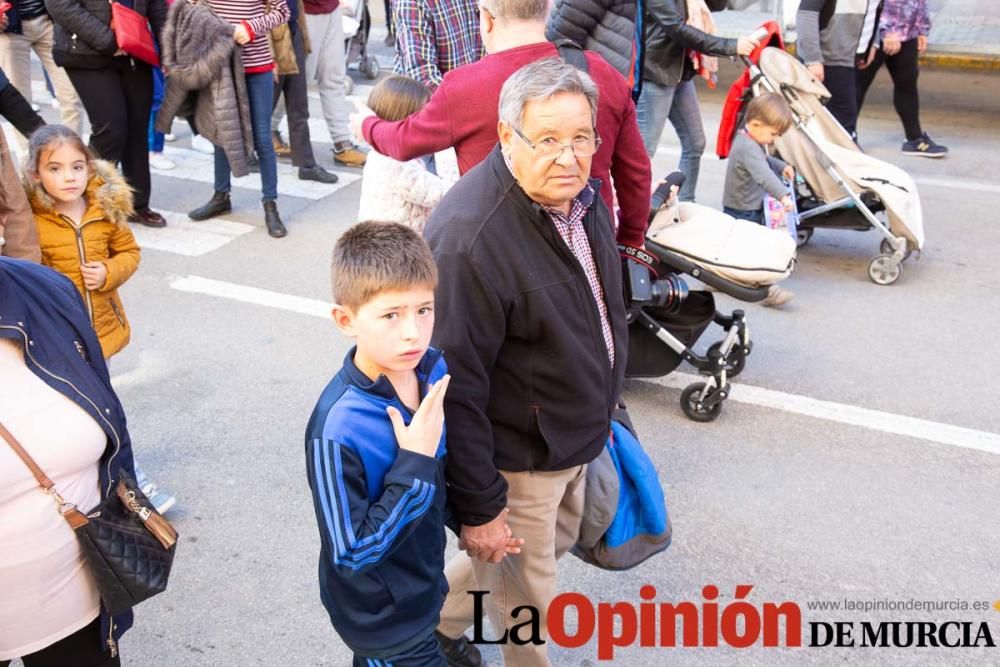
(18, 235)
(205, 80)
(103, 236)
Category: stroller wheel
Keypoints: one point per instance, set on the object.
(736, 360)
(369, 67)
(883, 271)
(886, 249)
(802, 236)
(698, 408)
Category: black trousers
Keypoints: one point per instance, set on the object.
(904, 70)
(83, 648)
(18, 112)
(843, 104)
(118, 100)
(294, 87)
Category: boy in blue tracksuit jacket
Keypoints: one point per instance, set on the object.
(375, 453)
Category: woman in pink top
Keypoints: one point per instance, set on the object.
(56, 400)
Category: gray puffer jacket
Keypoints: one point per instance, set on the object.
(205, 81)
(604, 26)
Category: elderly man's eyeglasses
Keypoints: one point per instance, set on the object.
(550, 148)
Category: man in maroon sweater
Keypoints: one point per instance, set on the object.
(462, 113)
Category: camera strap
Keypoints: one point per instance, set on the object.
(639, 255)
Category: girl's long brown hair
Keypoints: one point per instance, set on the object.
(397, 97)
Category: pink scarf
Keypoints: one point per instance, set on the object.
(700, 17)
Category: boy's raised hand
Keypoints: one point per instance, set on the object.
(423, 433)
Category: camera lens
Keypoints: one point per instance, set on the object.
(669, 293)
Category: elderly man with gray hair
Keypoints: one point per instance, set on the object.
(531, 318)
(462, 113)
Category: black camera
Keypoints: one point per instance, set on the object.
(643, 290)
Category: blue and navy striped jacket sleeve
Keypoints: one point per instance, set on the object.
(359, 532)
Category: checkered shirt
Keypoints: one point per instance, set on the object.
(572, 232)
(434, 37)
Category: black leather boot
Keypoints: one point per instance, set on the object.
(459, 652)
(273, 221)
(217, 205)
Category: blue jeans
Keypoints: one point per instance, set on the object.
(753, 216)
(260, 88)
(680, 104)
(154, 138)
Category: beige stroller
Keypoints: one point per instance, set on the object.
(844, 187)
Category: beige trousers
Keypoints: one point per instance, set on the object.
(546, 509)
(15, 59)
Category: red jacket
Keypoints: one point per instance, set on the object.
(462, 114)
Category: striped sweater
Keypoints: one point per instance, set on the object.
(254, 15)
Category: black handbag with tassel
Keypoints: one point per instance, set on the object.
(128, 545)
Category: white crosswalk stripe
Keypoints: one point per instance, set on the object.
(184, 236)
(193, 165)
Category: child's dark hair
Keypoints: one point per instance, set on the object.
(374, 257)
(50, 137)
(396, 97)
(772, 110)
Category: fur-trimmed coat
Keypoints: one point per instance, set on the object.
(103, 236)
(205, 81)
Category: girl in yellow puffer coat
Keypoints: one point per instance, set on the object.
(81, 206)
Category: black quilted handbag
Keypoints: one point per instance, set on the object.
(128, 545)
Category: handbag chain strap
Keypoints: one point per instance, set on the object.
(69, 511)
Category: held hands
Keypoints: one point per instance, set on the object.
(240, 35)
(891, 43)
(787, 202)
(423, 434)
(788, 173)
(863, 63)
(95, 274)
(490, 542)
(746, 44)
(357, 120)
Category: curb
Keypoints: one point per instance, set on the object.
(963, 61)
(943, 60)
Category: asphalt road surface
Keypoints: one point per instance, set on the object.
(858, 458)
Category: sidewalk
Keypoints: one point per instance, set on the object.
(965, 34)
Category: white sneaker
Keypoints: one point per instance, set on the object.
(777, 297)
(170, 136)
(161, 500)
(202, 145)
(160, 161)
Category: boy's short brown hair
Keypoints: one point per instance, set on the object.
(373, 257)
(772, 110)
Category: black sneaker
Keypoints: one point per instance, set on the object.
(925, 147)
(459, 652)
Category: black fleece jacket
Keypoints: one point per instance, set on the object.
(531, 384)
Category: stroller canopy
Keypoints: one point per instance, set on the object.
(823, 141)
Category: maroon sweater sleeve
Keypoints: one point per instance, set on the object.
(632, 176)
(425, 132)
(631, 173)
